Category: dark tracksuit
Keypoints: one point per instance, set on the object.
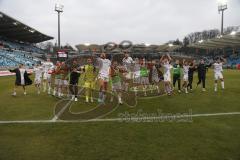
(190, 76)
(73, 87)
(202, 68)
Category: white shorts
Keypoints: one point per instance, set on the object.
(46, 76)
(185, 77)
(37, 80)
(167, 77)
(144, 80)
(64, 82)
(137, 80)
(58, 82)
(128, 75)
(116, 86)
(155, 79)
(103, 77)
(136, 76)
(218, 75)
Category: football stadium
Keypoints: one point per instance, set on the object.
(124, 98)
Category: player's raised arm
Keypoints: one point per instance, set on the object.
(183, 61)
(169, 58)
(224, 60)
(210, 64)
(161, 59)
(96, 57)
(13, 70)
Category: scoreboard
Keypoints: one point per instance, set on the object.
(62, 53)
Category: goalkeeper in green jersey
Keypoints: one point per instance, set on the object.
(177, 75)
(89, 79)
(144, 73)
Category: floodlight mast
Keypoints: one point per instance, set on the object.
(59, 10)
(222, 6)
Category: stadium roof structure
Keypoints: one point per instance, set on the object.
(135, 48)
(89, 47)
(13, 29)
(231, 40)
(168, 47)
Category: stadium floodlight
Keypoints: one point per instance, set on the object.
(147, 44)
(59, 9)
(87, 44)
(170, 45)
(15, 23)
(222, 6)
(31, 30)
(222, 2)
(233, 33)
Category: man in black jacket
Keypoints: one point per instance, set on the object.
(202, 68)
(73, 86)
(22, 78)
(192, 68)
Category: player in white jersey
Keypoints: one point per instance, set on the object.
(47, 68)
(218, 69)
(185, 75)
(136, 75)
(38, 70)
(128, 64)
(127, 61)
(103, 76)
(165, 63)
(136, 69)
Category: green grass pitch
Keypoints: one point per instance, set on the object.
(205, 138)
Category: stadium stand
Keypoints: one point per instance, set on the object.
(17, 57)
(6, 62)
(20, 46)
(17, 43)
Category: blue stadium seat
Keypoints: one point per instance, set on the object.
(13, 58)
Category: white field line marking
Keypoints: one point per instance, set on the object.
(64, 108)
(116, 119)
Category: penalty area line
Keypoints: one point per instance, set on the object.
(117, 119)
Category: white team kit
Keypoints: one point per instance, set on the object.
(127, 62)
(136, 73)
(47, 67)
(167, 72)
(185, 72)
(105, 65)
(218, 68)
(38, 75)
(155, 77)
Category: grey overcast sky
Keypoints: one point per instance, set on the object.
(101, 21)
